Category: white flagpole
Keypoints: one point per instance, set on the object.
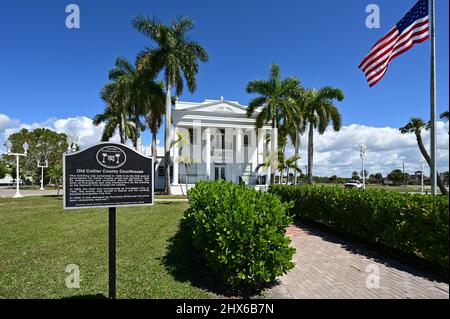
(433, 100)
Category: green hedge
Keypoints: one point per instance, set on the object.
(241, 234)
(414, 224)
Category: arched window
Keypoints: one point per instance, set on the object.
(245, 140)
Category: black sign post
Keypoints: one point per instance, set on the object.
(108, 175)
(112, 252)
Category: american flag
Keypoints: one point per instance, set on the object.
(412, 29)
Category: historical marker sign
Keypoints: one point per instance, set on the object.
(107, 175)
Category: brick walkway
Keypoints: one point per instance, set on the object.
(326, 267)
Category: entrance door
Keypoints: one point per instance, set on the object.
(219, 172)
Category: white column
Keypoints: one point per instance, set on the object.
(239, 158)
(208, 153)
(260, 150)
(175, 159)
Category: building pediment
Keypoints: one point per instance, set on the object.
(213, 113)
(214, 106)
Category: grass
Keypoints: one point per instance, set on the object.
(39, 239)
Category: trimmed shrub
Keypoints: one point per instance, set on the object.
(241, 234)
(414, 224)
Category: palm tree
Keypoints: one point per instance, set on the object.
(415, 126)
(177, 57)
(275, 101)
(296, 125)
(186, 161)
(291, 164)
(153, 107)
(319, 111)
(115, 115)
(56, 174)
(270, 163)
(130, 86)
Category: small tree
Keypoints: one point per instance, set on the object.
(291, 164)
(56, 174)
(3, 169)
(355, 175)
(379, 177)
(398, 177)
(186, 161)
(270, 161)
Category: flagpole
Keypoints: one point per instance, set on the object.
(433, 100)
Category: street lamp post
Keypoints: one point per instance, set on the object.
(72, 140)
(25, 148)
(42, 173)
(362, 153)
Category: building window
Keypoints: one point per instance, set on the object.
(245, 140)
(223, 138)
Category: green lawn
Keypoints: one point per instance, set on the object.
(38, 239)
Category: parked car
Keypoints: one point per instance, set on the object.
(353, 184)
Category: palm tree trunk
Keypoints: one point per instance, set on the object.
(424, 152)
(186, 178)
(287, 176)
(122, 129)
(297, 148)
(310, 153)
(274, 144)
(154, 148)
(167, 138)
(152, 126)
(137, 130)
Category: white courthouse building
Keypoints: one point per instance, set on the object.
(220, 141)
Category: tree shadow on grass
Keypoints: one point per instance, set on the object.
(185, 264)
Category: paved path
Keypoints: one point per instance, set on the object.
(326, 267)
(10, 192)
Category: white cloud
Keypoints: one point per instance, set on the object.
(6, 122)
(387, 149)
(81, 126)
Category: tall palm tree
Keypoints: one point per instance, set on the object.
(130, 85)
(296, 126)
(275, 100)
(115, 115)
(319, 111)
(176, 56)
(415, 126)
(152, 101)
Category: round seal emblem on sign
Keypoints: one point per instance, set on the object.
(111, 157)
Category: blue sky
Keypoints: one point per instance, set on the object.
(49, 71)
